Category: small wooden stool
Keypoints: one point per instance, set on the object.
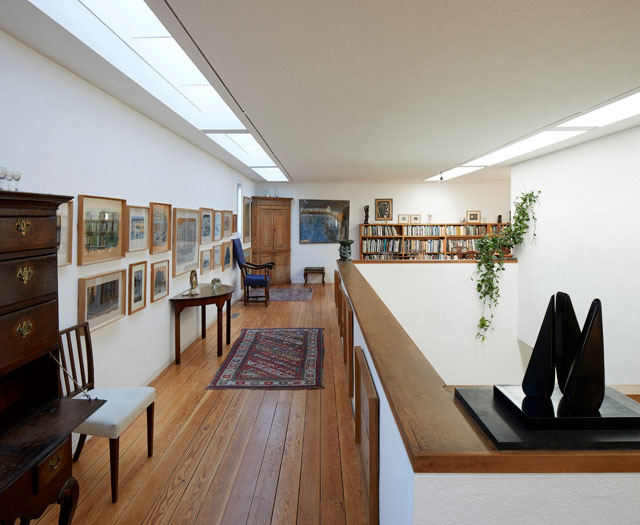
(313, 269)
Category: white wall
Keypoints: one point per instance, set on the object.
(68, 137)
(445, 202)
(586, 242)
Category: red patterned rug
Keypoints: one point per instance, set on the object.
(273, 358)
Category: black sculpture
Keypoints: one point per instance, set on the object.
(567, 337)
(366, 214)
(539, 379)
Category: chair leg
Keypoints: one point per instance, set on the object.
(76, 455)
(114, 455)
(150, 429)
(246, 293)
(266, 296)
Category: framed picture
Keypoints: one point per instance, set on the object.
(100, 229)
(247, 254)
(227, 256)
(217, 225)
(64, 232)
(323, 221)
(403, 218)
(216, 259)
(415, 218)
(234, 223)
(205, 261)
(384, 209)
(159, 280)
(160, 232)
(473, 216)
(227, 219)
(206, 225)
(246, 219)
(186, 234)
(137, 228)
(137, 287)
(101, 298)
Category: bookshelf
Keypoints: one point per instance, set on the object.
(383, 242)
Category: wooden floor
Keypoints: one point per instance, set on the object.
(235, 456)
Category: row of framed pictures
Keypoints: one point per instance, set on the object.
(217, 256)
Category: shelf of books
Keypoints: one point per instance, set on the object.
(402, 242)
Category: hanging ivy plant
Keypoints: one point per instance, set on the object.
(491, 251)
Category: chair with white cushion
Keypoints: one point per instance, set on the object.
(124, 404)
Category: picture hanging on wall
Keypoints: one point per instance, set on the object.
(217, 225)
(227, 256)
(234, 223)
(227, 219)
(137, 286)
(64, 231)
(247, 254)
(186, 234)
(159, 280)
(216, 259)
(160, 231)
(100, 229)
(101, 298)
(246, 219)
(323, 221)
(384, 209)
(205, 261)
(206, 225)
(137, 228)
(473, 216)
(403, 218)
(415, 218)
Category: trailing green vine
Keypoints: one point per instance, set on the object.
(491, 251)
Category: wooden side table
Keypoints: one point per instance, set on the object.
(313, 269)
(207, 296)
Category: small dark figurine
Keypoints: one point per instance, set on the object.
(499, 219)
(366, 214)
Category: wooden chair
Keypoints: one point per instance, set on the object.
(252, 280)
(123, 406)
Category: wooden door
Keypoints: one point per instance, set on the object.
(281, 229)
(264, 232)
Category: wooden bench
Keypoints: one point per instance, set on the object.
(313, 269)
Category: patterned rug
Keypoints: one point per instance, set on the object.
(284, 294)
(274, 359)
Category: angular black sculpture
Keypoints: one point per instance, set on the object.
(366, 214)
(539, 379)
(567, 338)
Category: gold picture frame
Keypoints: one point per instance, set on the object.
(384, 209)
(206, 226)
(100, 229)
(205, 261)
(64, 229)
(159, 282)
(415, 218)
(137, 228)
(227, 223)
(186, 237)
(246, 220)
(403, 218)
(102, 298)
(474, 216)
(217, 225)
(160, 227)
(137, 287)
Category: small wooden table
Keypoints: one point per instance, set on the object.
(313, 269)
(207, 296)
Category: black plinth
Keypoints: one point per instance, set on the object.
(508, 432)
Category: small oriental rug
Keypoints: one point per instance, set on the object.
(274, 359)
(284, 294)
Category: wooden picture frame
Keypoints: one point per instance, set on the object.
(100, 229)
(384, 209)
(206, 226)
(323, 221)
(234, 223)
(137, 286)
(186, 237)
(205, 261)
(226, 257)
(64, 229)
(415, 218)
(246, 219)
(159, 280)
(160, 227)
(217, 225)
(227, 220)
(403, 218)
(474, 216)
(137, 228)
(102, 298)
(247, 254)
(216, 256)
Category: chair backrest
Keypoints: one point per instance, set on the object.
(76, 355)
(238, 254)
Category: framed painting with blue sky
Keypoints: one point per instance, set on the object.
(323, 221)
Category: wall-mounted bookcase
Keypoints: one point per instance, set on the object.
(420, 241)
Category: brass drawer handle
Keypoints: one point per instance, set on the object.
(24, 328)
(23, 226)
(24, 274)
(54, 463)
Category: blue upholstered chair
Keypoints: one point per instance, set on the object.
(252, 280)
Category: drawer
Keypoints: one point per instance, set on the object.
(27, 334)
(55, 464)
(27, 233)
(24, 279)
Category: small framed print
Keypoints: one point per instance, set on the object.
(403, 218)
(473, 216)
(216, 259)
(137, 228)
(227, 256)
(227, 219)
(100, 229)
(206, 225)
(384, 209)
(415, 218)
(246, 219)
(186, 234)
(64, 231)
(205, 261)
(159, 280)
(217, 225)
(137, 287)
(234, 223)
(101, 298)
(247, 254)
(160, 230)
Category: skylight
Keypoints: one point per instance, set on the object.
(271, 174)
(614, 112)
(244, 147)
(455, 172)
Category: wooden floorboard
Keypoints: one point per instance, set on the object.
(235, 456)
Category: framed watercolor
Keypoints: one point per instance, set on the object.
(217, 225)
(226, 256)
(186, 234)
(206, 225)
(247, 254)
(246, 219)
(415, 218)
(205, 261)
(137, 228)
(159, 280)
(160, 231)
(100, 229)
(216, 259)
(323, 221)
(234, 223)
(473, 215)
(403, 218)
(227, 219)
(102, 298)
(137, 286)
(384, 209)
(64, 231)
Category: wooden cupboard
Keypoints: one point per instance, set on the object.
(271, 235)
